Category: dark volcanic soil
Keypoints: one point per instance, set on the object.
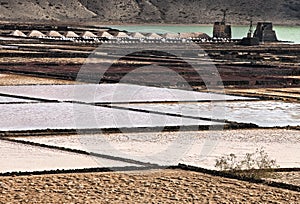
(264, 66)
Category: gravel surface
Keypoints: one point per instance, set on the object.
(167, 186)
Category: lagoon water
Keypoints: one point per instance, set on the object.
(285, 33)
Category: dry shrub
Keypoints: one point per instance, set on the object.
(254, 165)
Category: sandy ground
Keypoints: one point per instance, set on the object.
(44, 59)
(14, 79)
(167, 186)
(287, 177)
(286, 94)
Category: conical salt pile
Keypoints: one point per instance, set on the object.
(121, 35)
(88, 34)
(170, 35)
(154, 36)
(36, 34)
(70, 34)
(137, 35)
(18, 33)
(105, 34)
(54, 34)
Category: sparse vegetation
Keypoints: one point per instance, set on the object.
(168, 11)
(253, 165)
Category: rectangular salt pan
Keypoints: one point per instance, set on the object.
(42, 116)
(280, 144)
(261, 113)
(4, 99)
(19, 157)
(107, 93)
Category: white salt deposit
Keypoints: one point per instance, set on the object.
(19, 157)
(77, 116)
(165, 147)
(107, 93)
(261, 113)
(4, 99)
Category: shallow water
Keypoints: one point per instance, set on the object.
(261, 113)
(41, 116)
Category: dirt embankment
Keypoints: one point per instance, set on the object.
(173, 186)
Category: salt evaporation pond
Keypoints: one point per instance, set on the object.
(19, 157)
(42, 116)
(201, 148)
(261, 113)
(112, 93)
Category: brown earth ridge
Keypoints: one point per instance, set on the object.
(151, 11)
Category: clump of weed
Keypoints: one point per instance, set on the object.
(254, 165)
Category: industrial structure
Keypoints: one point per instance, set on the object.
(265, 33)
(221, 30)
(249, 40)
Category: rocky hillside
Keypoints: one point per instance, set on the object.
(152, 11)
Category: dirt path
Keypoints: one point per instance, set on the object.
(167, 186)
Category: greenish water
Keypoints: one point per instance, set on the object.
(286, 33)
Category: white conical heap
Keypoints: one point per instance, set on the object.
(170, 35)
(137, 35)
(88, 34)
(154, 36)
(105, 34)
(71, 34)
(18, 33)
(54, 34)
(121, 35)
(36, 34)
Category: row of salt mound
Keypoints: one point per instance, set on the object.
(71, 34)
(55, 34)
